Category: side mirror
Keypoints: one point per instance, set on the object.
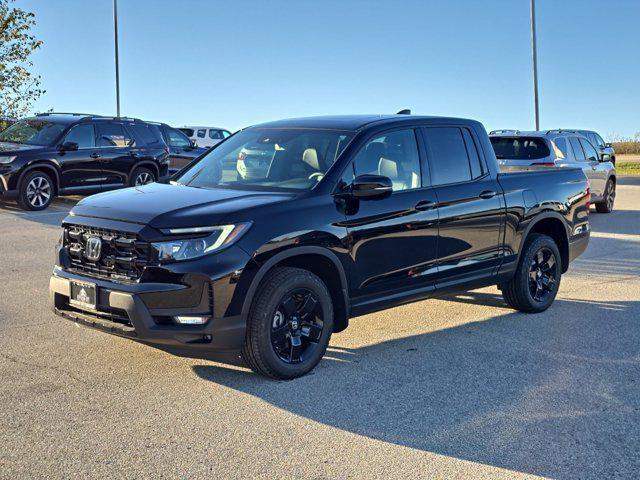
(370, 187)
(69, 147)
(608, 145)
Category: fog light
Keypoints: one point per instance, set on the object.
(191, 320)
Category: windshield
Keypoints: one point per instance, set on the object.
(32, 132)
(519, 148)
(290, 159)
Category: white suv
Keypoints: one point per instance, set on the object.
(205, 136)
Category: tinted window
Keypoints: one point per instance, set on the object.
(187, 131)
(447, 155)
(201, 133)
(592, 154)
(599, 140)
(83, 135)
(477, 169)
(520, 148)
(112, 135)
(577, 149)
(145, 134)
(561, 145)
(215, 134)
(176, 138)
(394, 155)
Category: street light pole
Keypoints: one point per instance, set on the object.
(535, 63)
(115, 36)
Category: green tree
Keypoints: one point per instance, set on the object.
(19, 88)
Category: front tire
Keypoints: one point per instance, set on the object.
(535, 284)
(36, 191)
(606, 205)
(289, 325)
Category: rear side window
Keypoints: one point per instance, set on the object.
(520, 148)
(477, 168)
(145, 135)
(447, 154)
(113, 135)
(577, 149)
(215, 134)
(202, 132)
(83, 135)
(561, 145)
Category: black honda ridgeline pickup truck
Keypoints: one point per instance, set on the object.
(282, 232)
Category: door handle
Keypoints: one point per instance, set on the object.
(425, 205)
(487, 194)
(133, 154)
(95, 155)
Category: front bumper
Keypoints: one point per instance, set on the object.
(144, 311)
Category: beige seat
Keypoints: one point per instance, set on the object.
(401, 180)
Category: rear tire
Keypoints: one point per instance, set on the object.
(289, 325)
(141, 176)
(535, 284)
(37, 191)
(606, 205)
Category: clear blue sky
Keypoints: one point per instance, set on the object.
(237, 63)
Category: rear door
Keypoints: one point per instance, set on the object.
(598, 169)
(470, 206)
(118, 154)
(81, 169)
(392, 241)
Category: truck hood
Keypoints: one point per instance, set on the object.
(172, 206)
(10, 148)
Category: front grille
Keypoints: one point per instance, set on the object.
(123, 256)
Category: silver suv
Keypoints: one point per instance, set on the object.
(517, 151)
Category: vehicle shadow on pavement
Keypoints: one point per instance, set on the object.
(52, 216)
(555, 394)
(619, 221)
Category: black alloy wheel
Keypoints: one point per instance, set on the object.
(297, 326)
(542, 275)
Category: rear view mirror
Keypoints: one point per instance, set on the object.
(69, 147)
(369, 187)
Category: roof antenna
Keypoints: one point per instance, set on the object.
(406, 111)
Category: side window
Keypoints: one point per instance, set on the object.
(561, 146)
(394, 155)
(599, 141)
(447, 155)
(592, 154)
(145, 134)
(577, 149)
(225, 133)
(215, 134)
(83, 135)
(113, 135)
(177, 138)
(202, 132)
(477, 168)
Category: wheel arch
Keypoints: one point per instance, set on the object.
(320, 261)
(46, 167)
(146, 164)
(553, 225)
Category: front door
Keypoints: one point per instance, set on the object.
(470, 206)
(181, 151)
(392, 241)
(81, 169)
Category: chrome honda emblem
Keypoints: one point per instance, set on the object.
(93, 249)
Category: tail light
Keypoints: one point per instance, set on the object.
(543, 164)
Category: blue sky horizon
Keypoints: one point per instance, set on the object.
(239, 63)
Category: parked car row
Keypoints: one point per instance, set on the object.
(330, 218)
(62, 154)
(519, 151)
(205, 136)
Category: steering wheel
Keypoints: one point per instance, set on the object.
(317, 176)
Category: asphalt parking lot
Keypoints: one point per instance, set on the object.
(458, 387)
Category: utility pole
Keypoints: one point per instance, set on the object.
(115, 36)
(535, 63)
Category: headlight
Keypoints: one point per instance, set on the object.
(190, 248)
(7, 159)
